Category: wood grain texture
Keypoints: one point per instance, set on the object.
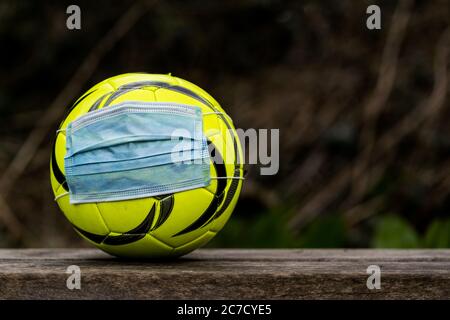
(227, 274)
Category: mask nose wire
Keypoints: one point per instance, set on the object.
(204, 114)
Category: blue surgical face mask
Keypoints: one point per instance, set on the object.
(135, 150)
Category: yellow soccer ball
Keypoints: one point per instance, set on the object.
(163, 226)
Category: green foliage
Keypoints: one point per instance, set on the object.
(267, 230)
(271, 230)
(438, 234)
(325, 232)
(392, 231)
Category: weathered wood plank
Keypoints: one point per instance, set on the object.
(224, 274)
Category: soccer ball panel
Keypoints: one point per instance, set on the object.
(222, 219)
(132, 78)
(210, 124)
(86, 102)
(187, 207)
(134, 95)
(54, 183)
(146, 247)
(84, 216)
(123, 216)
(199, 91)
(194, 244)
(60, 151)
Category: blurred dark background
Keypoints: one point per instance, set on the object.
(363, 114)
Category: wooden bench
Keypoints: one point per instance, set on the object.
(227, 274)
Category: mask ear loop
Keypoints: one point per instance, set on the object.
(61, 195)
(233, 178)
(67, 192)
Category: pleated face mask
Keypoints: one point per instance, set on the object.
(135, 150)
